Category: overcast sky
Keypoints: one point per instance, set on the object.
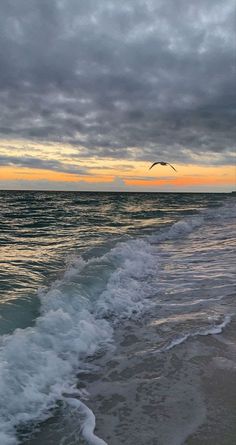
(129, 80)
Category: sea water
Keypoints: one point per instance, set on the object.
(75, 267)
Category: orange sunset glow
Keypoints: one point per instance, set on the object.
(104, 172)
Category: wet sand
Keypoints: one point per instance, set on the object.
(218, 384)
(184, 396)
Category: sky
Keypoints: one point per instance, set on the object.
(94, 91)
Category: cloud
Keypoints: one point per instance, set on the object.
(42, 164)
(23, 184)
(131, 80)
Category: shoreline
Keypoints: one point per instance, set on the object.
(139, 397)
(184, 396)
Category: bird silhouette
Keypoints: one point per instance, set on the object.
(162, 163)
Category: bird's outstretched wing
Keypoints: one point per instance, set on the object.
(155, 163)
(171, 166)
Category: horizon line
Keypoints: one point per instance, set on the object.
(109, 191)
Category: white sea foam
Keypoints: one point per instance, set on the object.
(89, 423)
(184, 227)
(215, 329)
(38, 365)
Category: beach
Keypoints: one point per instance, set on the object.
(183, 397)
(186, 397)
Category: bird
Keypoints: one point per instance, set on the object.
(162, 163)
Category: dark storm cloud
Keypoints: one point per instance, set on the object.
(132, 79)
(33, 162)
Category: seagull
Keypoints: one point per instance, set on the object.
(162, 163)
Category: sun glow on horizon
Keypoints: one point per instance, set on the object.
(34, 164)
(137, 177)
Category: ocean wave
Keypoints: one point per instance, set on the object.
(205, 217)
(39, 364)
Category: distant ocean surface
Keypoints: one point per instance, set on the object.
(74, 266)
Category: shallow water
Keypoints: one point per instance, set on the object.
(75, 267)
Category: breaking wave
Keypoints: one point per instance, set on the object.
(39, 364)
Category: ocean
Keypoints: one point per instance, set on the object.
(117, 309)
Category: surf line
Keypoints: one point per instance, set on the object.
(213, 330)
(87, 429)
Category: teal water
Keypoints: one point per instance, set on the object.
(72, 264)
(39, 231)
